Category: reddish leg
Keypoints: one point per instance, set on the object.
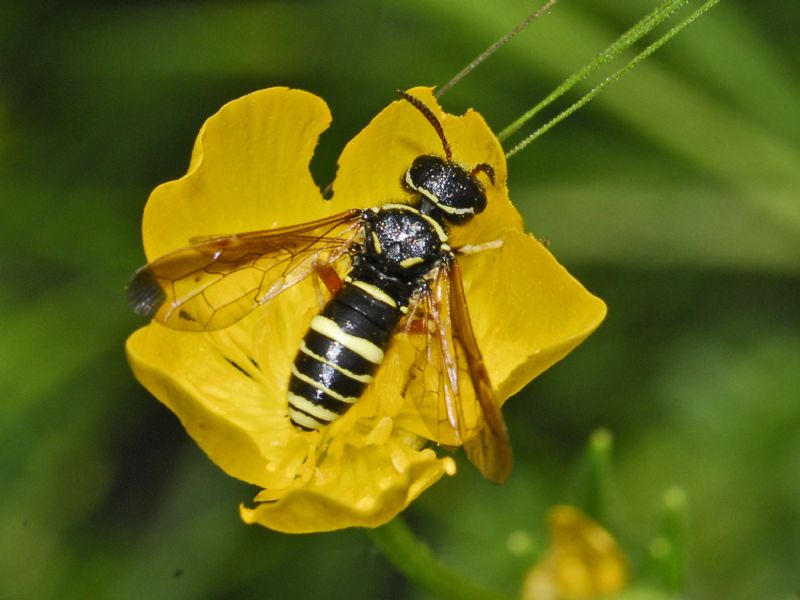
(417, 326)
(330, 278)
(416, 323)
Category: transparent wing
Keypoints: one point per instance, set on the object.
(448, 379)
(490, 450)
(218, 280)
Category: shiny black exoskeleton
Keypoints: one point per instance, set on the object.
(402, 245)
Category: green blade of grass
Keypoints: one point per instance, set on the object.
(635, 33)
(700, 130)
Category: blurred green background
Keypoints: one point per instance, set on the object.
(675, 196)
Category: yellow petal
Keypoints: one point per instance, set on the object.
(527, 311)
(235, 410)
(374, 162)
(249, 171)
(366, 488)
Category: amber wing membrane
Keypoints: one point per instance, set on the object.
(490, 450)
(448, 379)
(216, 281)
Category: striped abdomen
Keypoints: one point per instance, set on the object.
(340, 353)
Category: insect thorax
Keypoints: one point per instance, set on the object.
(402, 242)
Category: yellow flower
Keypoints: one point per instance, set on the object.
(249, 171)
(582, 562)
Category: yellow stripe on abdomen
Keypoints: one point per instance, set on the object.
(362, 378)
(363, 347)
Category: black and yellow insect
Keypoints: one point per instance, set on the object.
(400, 275)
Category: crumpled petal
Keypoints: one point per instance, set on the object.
(249, 171)
(365, 486)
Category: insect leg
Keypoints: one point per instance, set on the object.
(476, 248)
(418, 326)
(417, 321)
(327, 275)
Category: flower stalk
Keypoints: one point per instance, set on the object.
(414, 558)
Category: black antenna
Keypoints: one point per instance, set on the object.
(428, 114)
(493, 48)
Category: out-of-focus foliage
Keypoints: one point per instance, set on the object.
(673, 196)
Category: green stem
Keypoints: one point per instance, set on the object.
(668, 549)
(594, 483)
(628, 38)
(494, 47)
(412, 557)
(597, 89)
